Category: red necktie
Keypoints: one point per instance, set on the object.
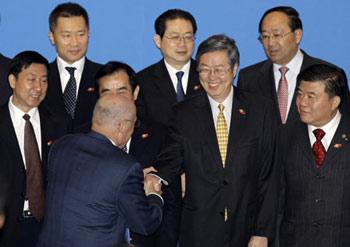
(282, 93)
(35, 187)
(318, 148)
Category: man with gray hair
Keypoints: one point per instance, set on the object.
(222, 140)
(95, 189)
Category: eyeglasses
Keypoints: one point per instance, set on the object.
(205, 71)
(176, 38)
(275, 36)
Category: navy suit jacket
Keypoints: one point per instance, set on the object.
(12, 167)
(317, 201)
(247, 186)
(5, 90)
(157, 93)
(87, 94)
(259, 78)
(95, 190)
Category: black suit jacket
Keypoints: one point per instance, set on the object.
(12, 166)
(157, 93)
(317, 201)
(5, 90)
(247, 187)
(87, 95)
(259, 78)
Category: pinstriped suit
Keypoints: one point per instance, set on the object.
(317, 201)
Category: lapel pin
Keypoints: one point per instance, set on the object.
(197, 87)
(145, 135)
(49, 142)
(242, 111)
(91, 89)
(338, 145)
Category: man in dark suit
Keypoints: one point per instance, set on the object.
(223, 140)
(5, 90)
(160, 86)
(315, 155)
(147, 139)
(25, 177)
(280, 31)
(72, 88)
(95, 189)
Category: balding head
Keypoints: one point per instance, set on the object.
(114, 117)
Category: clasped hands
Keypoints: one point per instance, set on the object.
(152, 184)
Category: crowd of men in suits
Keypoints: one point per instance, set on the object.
(174, 155)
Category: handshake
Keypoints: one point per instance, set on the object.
(152, 183)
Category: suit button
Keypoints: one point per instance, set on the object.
(318, 200)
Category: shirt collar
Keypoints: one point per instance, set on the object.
(328, 127)
(79, 65)
(172, 70)
(17, 113)
(227, 102)
(294, 65)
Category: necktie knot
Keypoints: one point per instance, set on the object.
(319, 134)
(283, 71)
(221, 107)
(26, 117)
(179, 75)
(71, 70)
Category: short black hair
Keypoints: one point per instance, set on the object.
(331, 76)
(68, 9)
(24, 59)
(219, 42)
(173, 14)
(292, 14)
(115, 66)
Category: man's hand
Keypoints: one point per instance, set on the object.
(257, 241)
(183, 185)
(152, 184)
(148, 170)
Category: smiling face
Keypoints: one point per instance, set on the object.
(315, 105)
(30, 86)
(176, 52)
(283, 49)
(216, 75)
(70, 37)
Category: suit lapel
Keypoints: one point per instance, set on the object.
(55, 88)
(163, 82)
(87, 83)
(193, 84)
(303, 140)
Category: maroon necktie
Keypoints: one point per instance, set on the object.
(35, 188)
(282, 93)
(318, 148)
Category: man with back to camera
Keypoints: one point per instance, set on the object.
(27, 130)
(72, 88)
(281, 31)
(315, 156)
(163, 84)
(5, 90)
(223, 139)
(94, 188)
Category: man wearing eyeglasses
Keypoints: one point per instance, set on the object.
(281, 32)
(164, 84)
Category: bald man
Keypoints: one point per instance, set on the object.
(95, 189)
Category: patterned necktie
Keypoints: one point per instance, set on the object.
(70, 91)
(222, 133)
(34, 181)
(318, 148)
(282, 94)
(180, 95)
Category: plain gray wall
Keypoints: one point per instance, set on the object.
(123, 29)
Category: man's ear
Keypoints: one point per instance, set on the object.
(157, 40)
(136, 92)
(12, 81)
(51, 38)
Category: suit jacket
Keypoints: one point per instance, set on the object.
(87, 94)
(259, 78)
(5, 89)
(95, 191)
(317, 201)
(247, 185)
(12, 166)
(157, 93)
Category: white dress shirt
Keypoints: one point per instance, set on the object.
(294, 67)
(328, 128)
(64, 74)
(172, 72)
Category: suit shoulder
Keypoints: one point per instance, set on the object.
(147, 71)
(253, 67)
(252, 97)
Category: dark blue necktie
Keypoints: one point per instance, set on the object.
(180, 95)
(69, 94)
